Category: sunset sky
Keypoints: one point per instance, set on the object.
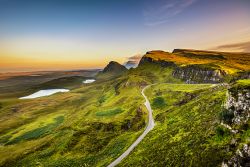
(78, 34)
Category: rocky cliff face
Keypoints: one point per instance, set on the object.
(238, 107)
(238, 102)
(198, 74)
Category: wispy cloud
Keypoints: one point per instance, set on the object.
(237, 47)
(133, 61)
(159, 12)
(135, 58)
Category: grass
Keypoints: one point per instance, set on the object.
(183, 87)
(90, 125)
(158, 102)
(186, 134)
(240, 86)
(38, 132)
(243, 82)
(109, 113)
(226, 116)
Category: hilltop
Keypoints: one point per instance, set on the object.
(113, 69)
(195, 66)
(229, 62)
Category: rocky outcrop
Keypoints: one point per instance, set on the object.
(199, 74)
(192, 73)
(240, 159)
(238, 111)
(238, 102)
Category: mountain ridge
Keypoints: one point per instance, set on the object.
(199, 66)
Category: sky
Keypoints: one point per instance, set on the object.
(81, 34)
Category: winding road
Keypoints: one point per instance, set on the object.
(149, 127)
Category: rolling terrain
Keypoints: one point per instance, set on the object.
(200, 103)
(17, 84)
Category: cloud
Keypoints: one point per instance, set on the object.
(135, 58)
(159, 12)
(132, 61)
(237, 47)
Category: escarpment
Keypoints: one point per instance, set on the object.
(149, 58)
(197, 74)
(193, 66)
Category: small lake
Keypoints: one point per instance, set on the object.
(42, 93)
(87, 81)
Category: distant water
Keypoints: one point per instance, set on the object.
(42, 93)
(88, 81)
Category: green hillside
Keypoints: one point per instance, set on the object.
(95, 123)
(185, 132)
(90, 125)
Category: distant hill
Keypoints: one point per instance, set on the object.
(70, 82)
(113, 69)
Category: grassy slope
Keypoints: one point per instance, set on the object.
(67, 129)
(243, 83)
(10, 95)
(152, 73)
(185, 131)
(90, 125)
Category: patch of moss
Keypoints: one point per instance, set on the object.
(226, 116)
(158, 102)
(109, 113)
(39, 132)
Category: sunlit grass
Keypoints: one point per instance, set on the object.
(73, 128)
(185, 132)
